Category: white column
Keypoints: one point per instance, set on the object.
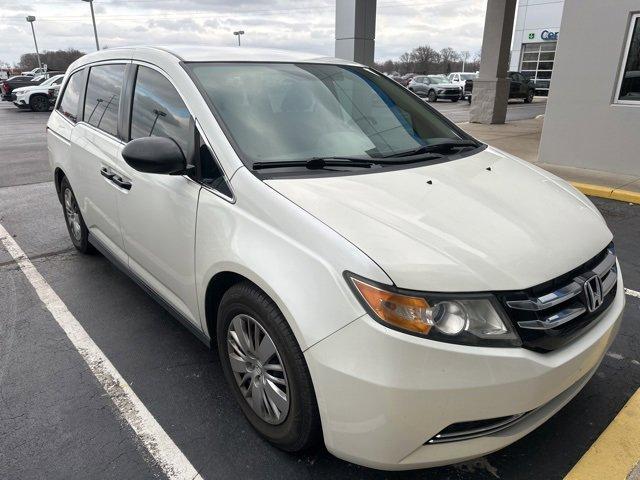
(356, 30)
(491, 88)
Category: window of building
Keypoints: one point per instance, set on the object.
(68, 105)
(629, 83)
(158, 110)
(103, 97)
(537, 64)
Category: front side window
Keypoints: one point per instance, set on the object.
(69, 103)
(282, 112)
(630, 82)
(158, 110)
(103, 97)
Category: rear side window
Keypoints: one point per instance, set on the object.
(69, 103)
(103, 97)
(158, 110)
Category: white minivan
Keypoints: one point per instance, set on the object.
(370, 274)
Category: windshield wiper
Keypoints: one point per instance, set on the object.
(435, 147)
(316, 163)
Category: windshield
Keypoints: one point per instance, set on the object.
(49, 81)
(438, 80)
(278, 112)
(467, 76)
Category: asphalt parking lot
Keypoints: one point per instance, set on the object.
(458, 112)
(56, 421)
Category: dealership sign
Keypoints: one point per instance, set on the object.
(546, 35)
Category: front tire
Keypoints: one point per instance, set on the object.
(432, 97)
(78, 231)
(39, 103)
(266, 370)
(454, 100)
(529, 97)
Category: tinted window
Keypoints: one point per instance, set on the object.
(158, 110)
(103, 97)
(630, 87)
(69, 103)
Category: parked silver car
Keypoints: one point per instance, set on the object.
(434, 88)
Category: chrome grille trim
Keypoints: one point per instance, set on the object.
(569, 291)
(555, 320)
(549, 300)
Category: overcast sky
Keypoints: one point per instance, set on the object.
(289, 24)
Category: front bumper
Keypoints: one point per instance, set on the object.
(449, 96)
(383, 394)
(20, 103)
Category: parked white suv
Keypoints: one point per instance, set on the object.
(38, 98)
(367, 270)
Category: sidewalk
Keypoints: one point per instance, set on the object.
(522, 139)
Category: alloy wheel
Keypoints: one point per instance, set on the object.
(73, 214)
(258, 369)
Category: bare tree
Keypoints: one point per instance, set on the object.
(425, 58)
(55, 59)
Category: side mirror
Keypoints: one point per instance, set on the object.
(154, 155)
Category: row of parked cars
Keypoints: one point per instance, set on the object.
(35, 90)
(459, 85)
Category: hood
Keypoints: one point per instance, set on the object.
(25, 89)
(480, 223)
(446, 85)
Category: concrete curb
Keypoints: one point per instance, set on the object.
(608, 192)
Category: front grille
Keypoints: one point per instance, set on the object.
(451, 91)
(551, 315)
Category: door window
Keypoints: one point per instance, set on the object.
(103, 97)
(210, 172)
(158, 110)
(68, 105)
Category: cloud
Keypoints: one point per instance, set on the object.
(303, 25)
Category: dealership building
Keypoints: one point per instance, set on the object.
(535, 37)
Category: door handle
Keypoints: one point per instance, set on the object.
(106, 173)
(120, 182)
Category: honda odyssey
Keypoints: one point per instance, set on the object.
(370, 274)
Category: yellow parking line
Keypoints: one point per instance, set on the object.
(608, 192)
(616, 451)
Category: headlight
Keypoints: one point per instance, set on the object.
(440, 90)
(470, 319)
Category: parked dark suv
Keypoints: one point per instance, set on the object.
(520, 87)
(6, 86)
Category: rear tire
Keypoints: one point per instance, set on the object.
(39, 103)
(78, 231)
(246, 308)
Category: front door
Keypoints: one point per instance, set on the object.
(158, 212)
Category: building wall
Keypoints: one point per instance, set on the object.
(533, 17)
(584, 125)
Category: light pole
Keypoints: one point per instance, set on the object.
(238, 33)
(32, 19)
(465, 55)
(93, 18)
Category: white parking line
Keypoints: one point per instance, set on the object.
(159, 445)
(632, 293)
